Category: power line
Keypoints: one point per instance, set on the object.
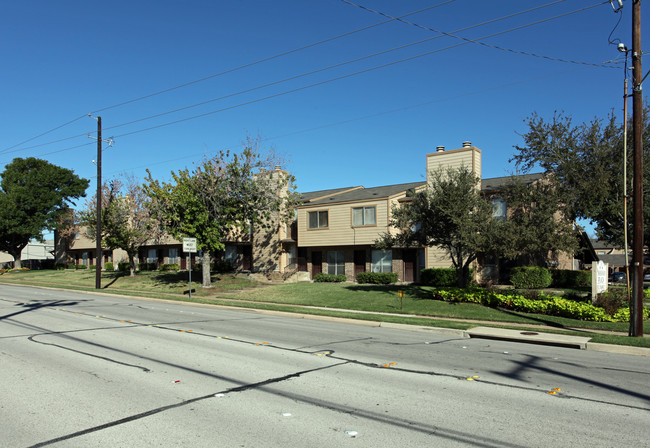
(465, 42)
(497, 47)
(365, 117)
(170, 89)
(325, 68)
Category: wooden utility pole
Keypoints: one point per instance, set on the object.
(636, 306)
(98, 230)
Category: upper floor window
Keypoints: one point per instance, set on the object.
(499, 210)
(364, 216)
(318, 220)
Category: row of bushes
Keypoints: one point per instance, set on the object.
(530, 277)
(554, 306)
(377, 278)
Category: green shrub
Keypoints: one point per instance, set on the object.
(80, 266)
(329, 278)
(566, 278)
(377, 278)
(148, 266)
(611, 301)
(553, 306)
(92, 266)
(439, 277)
(221, 266)
(123, 266)
(169, 267)
(60, 266)
(530, 277)
(109, 266)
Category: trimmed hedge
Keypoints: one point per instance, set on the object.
(80, 266)
(61, 266)
(566, 278)
(530, 277)
(123, 266)
(377, 278)
(169, 267)
(109, 266)
(441, 276)
(553, 306)
(148, 266)
(329, 278)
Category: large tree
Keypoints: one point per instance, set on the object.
(34, 196)
(228, 191)
(126, 220)
(535, 230)
(449, 213)
(586, 163)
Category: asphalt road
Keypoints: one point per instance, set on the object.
(86, 370)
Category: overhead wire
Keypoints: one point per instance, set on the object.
(465, 42)
(286, 92)
(329, 67)
(474, 41)
(205, 78)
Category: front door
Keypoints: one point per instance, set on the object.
(302, 259)
(247, 258)
(410, 259)
(359, 261)
(316, 263)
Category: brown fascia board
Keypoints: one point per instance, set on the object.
(332, 193)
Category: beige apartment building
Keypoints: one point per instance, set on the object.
(333, 232)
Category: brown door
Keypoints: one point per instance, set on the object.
(410, 259)
(359, 261)
(316, 263)
(247, 258)
(302, 259)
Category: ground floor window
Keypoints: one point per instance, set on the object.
(382, 261)
(173, 255)
(231, 254)
(292, 255)
(335, 262)
(152, 257)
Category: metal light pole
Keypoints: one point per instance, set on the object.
(636, 315)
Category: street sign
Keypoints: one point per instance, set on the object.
(189, 245)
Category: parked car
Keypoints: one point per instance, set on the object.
(617, 277)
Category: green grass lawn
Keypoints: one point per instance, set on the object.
(232, 291)
(169, 282)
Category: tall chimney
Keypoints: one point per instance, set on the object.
(467, 144)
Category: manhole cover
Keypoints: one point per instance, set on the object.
(529, 333)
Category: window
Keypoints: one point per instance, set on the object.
(364, 216)
(335, 262)
(173, 255)
(292, 255)
(382, 261)
(231, 254)
(318, 220)
(499, 210)
(152, 257)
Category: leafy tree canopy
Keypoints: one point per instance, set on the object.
(34, 195)
(586, 163)
(228, 191)
(450, 213)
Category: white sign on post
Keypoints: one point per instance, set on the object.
(189, 245)
(598, 278)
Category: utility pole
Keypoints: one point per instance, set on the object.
(636, 305)
(98, 230)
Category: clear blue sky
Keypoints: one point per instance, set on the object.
(62, 60)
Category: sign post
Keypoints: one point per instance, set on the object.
(189, 246)
(598, 279)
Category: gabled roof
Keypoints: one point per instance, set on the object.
(365, 194)
(497, 183)
(312, 195)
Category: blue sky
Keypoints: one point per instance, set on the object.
(63, 60)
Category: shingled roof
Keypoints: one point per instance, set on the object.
(497, 183)
(363, 194)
